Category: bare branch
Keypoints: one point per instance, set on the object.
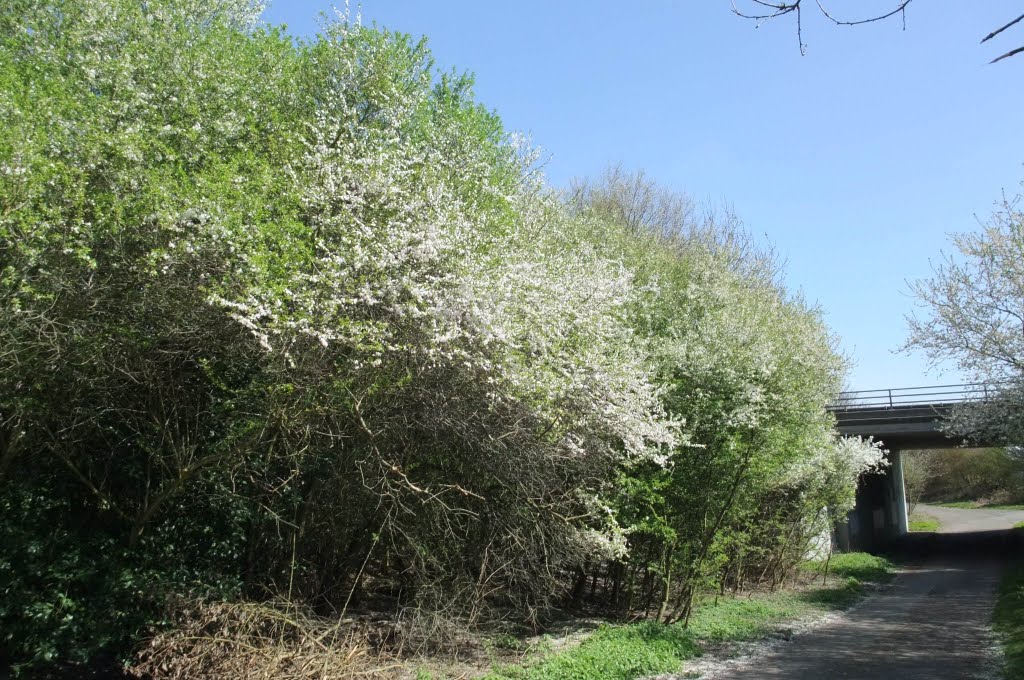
(857, 22)
(1008, 54)
(1001, 29)
(765, 11)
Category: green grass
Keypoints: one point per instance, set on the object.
(970, 505)
(1008, 620)
(625, 652)
(974, 505)
(615, 652)
(1019, 525)
(922, 522)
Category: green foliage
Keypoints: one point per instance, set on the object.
(837, 597)
(1008, 620)
(73, 591)
(505, 641)
(962, 477)
(57, 581)
(747, 367)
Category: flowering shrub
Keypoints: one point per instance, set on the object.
(301, 320)
(747, 368)
(971, 316)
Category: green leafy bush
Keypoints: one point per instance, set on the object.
(73, 592)
(966, 476)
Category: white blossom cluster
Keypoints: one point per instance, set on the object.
(403, 268)
(840, 466)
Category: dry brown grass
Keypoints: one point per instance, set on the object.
(258, 641)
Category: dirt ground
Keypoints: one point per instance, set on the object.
(932, 622)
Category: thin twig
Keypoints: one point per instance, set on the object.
(1008, 54)
(1001, 29)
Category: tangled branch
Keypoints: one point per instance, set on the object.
(763, 10)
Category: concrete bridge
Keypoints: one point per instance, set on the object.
(902, 419)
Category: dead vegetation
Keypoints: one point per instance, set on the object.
(251, 640)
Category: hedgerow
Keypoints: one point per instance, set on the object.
(299, 321)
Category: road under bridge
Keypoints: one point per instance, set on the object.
(902, 419)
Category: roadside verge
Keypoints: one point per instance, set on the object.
(1008, 619)
(629, 651)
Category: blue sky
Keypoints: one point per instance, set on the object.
(854, 161)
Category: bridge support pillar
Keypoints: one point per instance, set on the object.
(880, 515)
(899, 493)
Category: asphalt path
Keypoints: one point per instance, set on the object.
(931, 623)
(960, 520)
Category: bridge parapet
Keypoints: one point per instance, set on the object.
(915, 396)
(908, 417)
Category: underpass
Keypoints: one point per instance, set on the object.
(903, 419)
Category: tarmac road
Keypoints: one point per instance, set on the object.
(933, 623)
(959, 520)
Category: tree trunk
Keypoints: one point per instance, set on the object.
(666, 581)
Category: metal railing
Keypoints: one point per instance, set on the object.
(914, 396)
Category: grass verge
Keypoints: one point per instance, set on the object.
(856, 565)
(922, 522)
(975, 505)
(628, 651)
(1008, 620)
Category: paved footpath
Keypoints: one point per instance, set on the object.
(932, 623)
(959, 520)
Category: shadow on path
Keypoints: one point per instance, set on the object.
(999, 544)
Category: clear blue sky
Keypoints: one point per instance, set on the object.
(855, 161)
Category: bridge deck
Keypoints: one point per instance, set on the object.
(906, 417)
(899, 427)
